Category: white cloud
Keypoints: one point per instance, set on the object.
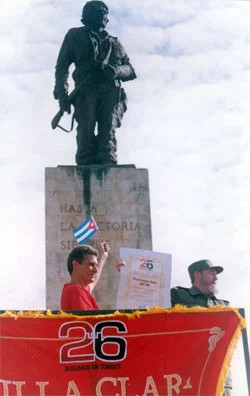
(187, 122)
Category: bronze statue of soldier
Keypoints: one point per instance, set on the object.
(101, 64)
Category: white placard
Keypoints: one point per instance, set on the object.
(145, 279)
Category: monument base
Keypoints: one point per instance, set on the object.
(118, 198)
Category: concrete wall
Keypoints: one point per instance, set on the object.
(117, 197)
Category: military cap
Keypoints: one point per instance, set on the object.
(88, 11)
(203, 265)
(88, 7)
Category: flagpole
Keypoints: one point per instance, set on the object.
(101, 234)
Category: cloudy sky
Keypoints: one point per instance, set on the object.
(187, 123)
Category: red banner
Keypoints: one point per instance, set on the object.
(160, 352)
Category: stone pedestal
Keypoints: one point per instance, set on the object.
(117, 197)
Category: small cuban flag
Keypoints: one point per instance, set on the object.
(86, 230)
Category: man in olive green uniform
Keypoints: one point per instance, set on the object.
(203, 277)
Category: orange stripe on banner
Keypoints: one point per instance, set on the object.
(125, 336)
(202, 374)
(168, 332)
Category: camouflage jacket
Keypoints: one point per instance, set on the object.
(83, 48)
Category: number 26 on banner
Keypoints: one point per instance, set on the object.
(92, 343)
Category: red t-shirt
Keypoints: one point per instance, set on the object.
(76, 297)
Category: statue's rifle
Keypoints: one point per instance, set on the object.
(59, 114)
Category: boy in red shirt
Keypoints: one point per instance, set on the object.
(85, 265)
